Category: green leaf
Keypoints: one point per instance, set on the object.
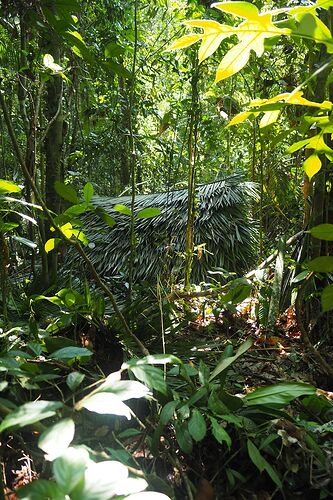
(225, 363)
(321, 265)
(278, 395)
(113, 50)
(183, 437)
(70, 467)
(29, 413)
(148, 495)
(152, 376)
(74, 379)
(123, 210)
(88, 192)
(148, 213)
(55, 440)
(153, 359)
(327, 298)
(40, 489)
(124, 389)
(105, 480)
(105, 403)
(322, 232)
(167, 412)
(197, 426)
(256, 456)
(220, 433)
(71, 353)
(110, 221)
(66, 191)
(261, 463)
(8, 187)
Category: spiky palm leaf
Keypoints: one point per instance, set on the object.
(222, 224)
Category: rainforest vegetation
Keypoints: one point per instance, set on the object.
(166, 249)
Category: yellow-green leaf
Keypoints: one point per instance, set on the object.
(213, 35)
(240, 118)
(51, 244)
(233, 61)
(67, 229)
(241, 9)
(184, 41)
(312, 165)
(269, 118)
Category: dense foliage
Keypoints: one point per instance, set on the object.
(147, 209)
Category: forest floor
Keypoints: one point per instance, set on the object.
(271, 359)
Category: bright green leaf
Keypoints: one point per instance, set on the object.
(66, 191)
(322, 232)
(29, 413)
(88, 192)
(8, 187)
(321, 264)
(122, 209)
(148, 213)
(312, 165)
(197, 426)
(55, 440)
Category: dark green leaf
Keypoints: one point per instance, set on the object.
(278, 395)
(71, 353)
(184, 438)
(220, 433)
(66, 191)
(40, 489)
(197, 426)
(225, 363)
(167, 412)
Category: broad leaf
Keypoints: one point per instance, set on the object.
(220, 433)
(40, 490)
(88, 192)
(55, 440)
(69, 468)
(125, 389)
(66, 191)
(105, 403)
(167, 412)
(278, 395)
(312, 165)
(197, 426)
(153, 359)
(183, 437)
(148, 213)
(123, 210)
(71, 353)
(152, 376)
(322, 232)
(261, 463)
(74, 379)
(51, 244)
(29, 413)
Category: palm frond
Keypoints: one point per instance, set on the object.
(222, 225)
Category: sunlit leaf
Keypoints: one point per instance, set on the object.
(105, 403)
(278, 395)
(29, 413)
(312, 165)
(88, 192)
(123, 209)
(49, 63)
(240, 118)
(8, 187)
(55, 440)
(225, 363)
(148, 213)
(184, 41)
(69, 468)
(51, 244)
(269, 118)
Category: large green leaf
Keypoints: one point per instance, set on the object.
(30, 413)
(278, 395)
(105, 403)
(66, 191)
(55, 440)
(71, 353)
(225, 363)
(152, 376)
(322, 232)
(124, 389)
(41, 490)
(148, 213)
(69, 468)
(220, 433)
